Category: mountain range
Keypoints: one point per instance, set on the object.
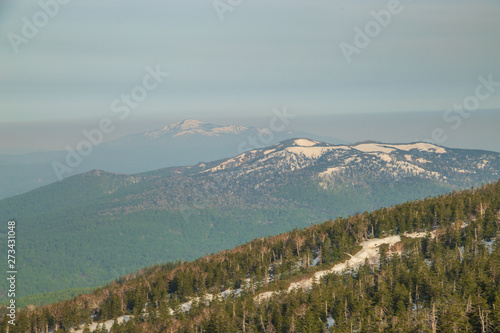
(430, 265)
(96, 226)
(183, 143)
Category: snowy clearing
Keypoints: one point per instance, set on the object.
(107, 324)
(370, 252)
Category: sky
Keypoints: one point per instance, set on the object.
(239, 59)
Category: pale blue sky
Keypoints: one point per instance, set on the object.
(263, 55)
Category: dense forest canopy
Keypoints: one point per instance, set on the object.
(446, 283)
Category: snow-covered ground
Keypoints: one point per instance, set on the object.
(370, 252)
(207, 298)
(422, 146)
(374, 147)
(490, 245)
(305, 142)
(388, 148)
(107, 324)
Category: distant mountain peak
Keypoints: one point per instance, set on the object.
(190, 123)
(186, 124)
(193, 127)
(305, 142)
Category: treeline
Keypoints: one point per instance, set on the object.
(450, 283)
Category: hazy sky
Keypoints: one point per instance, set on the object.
(264, 54)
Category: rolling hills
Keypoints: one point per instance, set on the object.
(97, 226)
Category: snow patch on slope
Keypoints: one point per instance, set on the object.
(269, 151)
(107, 324)
(232, 162)
(330, 172)
(305, 142)
(422, 146)
(385, 157)
(373, 147)
(389, 148)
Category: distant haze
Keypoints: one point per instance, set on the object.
(263, 54)
(479, 131)
(81, 64)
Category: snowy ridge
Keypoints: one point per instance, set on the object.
(193, 126)
(372, 147)
(421, 146)
(300, 154)
(305, 142)
(389, 148)
(232, 162)
(329, 162)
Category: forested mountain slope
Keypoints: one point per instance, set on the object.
(448, 281)
(89, 229)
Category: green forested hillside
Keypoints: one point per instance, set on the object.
(446, 283)
(88, 237)
(48, 298)
(92, 228)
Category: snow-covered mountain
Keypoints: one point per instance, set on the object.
(183, 143)
(300, 172)
(185, 212)
(193, 126)
(361, 163)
